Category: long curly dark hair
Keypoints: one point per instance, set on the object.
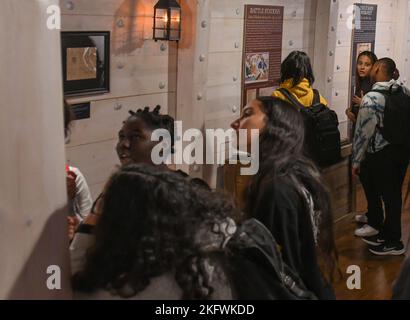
(282, 154)
(149, 226)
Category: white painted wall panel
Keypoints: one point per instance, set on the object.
(106, 121)
(33, 197)
(97, 161)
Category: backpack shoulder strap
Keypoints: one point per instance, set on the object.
(316, 97)
(291, 98)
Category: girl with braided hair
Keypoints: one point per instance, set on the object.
(158, 237)
(134, 139)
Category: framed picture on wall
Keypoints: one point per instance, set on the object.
(86, 62)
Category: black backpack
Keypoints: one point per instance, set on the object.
(256, 268)
(396, 123)
(322, 135)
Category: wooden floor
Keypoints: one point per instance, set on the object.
(378, 273)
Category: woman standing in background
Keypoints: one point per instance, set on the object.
(365, 62)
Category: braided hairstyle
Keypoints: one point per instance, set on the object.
(150, 224)
(154, 120)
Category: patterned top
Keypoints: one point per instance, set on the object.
(368, 137)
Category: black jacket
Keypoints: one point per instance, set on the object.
(281, 208)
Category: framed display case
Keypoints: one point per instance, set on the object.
(86, 62)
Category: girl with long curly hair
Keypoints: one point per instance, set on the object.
(156, 236)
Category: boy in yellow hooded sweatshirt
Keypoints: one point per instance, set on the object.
(297, 77)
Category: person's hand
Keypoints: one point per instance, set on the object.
(358, 100)
(351, 115)
(71, 186)
(355, 171)
(73, 223)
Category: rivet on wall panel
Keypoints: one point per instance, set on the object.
(329, 79)
(341, 16)
(120, 23)
(163, 47)
(162, 85)
(235, 78)
(69, 5)
(291, 42)
(120, 65)
(339, 42)
(331, 53)
(236, 45)
(234, 109)
(332, 28)
(117, 106)
(238, 11)
(199, 96)
(338, 67)
(336, 94)
(204, 24)
(202, 57)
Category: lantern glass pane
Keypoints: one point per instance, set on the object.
(161, 24)
(175, 23)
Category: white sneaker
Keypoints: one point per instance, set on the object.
(366, 231)
(361, 218)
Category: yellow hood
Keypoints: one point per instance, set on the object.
(303, 92)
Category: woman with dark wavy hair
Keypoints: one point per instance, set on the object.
(154, 235)
(288, 195)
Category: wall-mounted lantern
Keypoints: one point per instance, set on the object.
(167, 20)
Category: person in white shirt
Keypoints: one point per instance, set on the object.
(79, 196)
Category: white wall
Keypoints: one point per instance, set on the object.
(141, 75)
(216, 97)
(33, 217)
(317, 27)
(209, 90)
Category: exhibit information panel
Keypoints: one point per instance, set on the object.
(263, 32)
(363, 38)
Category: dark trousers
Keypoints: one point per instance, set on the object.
(382, 175)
